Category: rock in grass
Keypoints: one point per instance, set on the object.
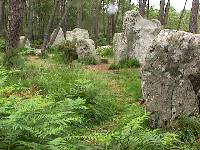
(171, 77)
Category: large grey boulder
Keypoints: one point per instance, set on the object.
(136, 38)
(171, 77)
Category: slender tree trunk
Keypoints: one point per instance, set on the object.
(181, 16)
(30, 20)
(80, 14)
(55, 33)
(1, 16)
(166, 16)
(193, 26)
(13, 31)
(148, 7)
(47, 32)
(162, 12)
(142, 6)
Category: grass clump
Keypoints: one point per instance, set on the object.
(125, 63)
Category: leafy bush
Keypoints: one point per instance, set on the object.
(105, 51)
(67, 52)
(102, 40)
(126, 63)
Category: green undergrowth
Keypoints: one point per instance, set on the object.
(61, 107)
(125, 63)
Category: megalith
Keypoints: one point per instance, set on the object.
(137, 36)
(85, 47)
(171, 77)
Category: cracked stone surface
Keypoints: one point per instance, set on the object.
(137, 36)
(171, 77)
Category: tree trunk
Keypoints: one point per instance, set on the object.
(13, 31)
(142, 6)
(55, 33)
(1, 16)
(167, 12)
(193, 26)
(30, 20)
(162, 12)
(148, 7)
(181, 16)
(47, 32)
(80, 14)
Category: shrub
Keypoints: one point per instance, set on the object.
(67, 51)
(106, 51)
(102, 40)
(130, 63)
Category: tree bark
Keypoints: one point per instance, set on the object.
(55, 33)
(1, 16)
(162, 12)
(13, 31)
(148, 8)
(142, 6)
(193, 26)
(30, 22)
(166, 16)
(47, 32)
(80, 14)
(181, 16)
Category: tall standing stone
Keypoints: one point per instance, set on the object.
(137, 36)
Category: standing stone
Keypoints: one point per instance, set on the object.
(137, 36)
(119, 46)
(86, 49)
(60, 37)
(171, 77)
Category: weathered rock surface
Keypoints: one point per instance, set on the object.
(119, 46)
(23, 43)
(171, 77)
(86, 49)
(60, 37)
(85, 45)
(137, 36)
(77, 34)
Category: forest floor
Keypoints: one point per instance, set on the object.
(107, 101)
(124, 84)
